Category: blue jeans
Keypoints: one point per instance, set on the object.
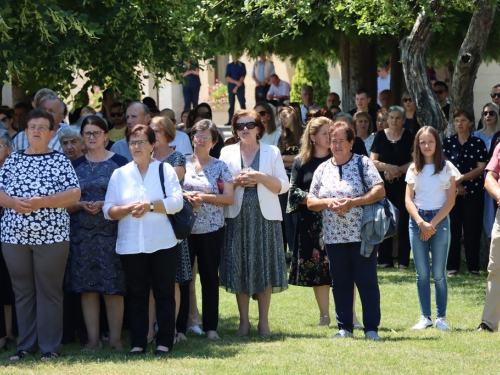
(232, 98)
(438, 245)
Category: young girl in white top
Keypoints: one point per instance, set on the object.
(430, 195)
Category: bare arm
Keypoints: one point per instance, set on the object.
(376, 193)
(59, 200)
(224, 199)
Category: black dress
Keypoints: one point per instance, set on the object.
(395, 153)
(309, 266)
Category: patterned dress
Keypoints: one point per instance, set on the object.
(252, 257)
(93, 265)
(309, 265)
(184, 272)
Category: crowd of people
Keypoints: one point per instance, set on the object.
(88, 248)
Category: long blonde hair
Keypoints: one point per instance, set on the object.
(307, 147)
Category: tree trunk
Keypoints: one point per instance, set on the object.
(398, 83)
(413, 57)
(1, 95)
(469, 59)
(359, 69)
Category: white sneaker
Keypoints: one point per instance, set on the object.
(342, 334)
(442, 325)
(423, 323)
(196, 329)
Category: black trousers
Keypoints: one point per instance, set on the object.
(467, 214)
(143, 271)
(395, 192)
(207, 248)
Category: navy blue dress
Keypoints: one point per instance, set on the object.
(93, 264)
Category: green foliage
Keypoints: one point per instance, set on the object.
(311, 72)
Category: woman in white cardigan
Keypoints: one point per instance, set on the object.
(146, 242)
(253, 262)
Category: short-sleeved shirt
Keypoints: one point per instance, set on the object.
(176, 159)
(36, 176)
(494, 164)
(191, 80)
(116, 134)
(283, 88)
(465, 157)
(209, 217)
(343, 181)
(236, 70)
(395, 153)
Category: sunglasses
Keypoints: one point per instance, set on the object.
(406, 100)
(262, 113)
(248, 125)
(116, 114)
(3, 119)
(495, 95)
(491, 113)
(438, 92)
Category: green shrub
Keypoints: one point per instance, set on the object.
(312, 72)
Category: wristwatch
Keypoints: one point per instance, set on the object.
(151, 207)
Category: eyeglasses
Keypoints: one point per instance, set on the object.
(3, 119)
(406, 100)
(95, 134)
(438, 92)
(116, 114)
(42, 129)
(340, 143)
(2, 146)
(495, 95)
(137, 143)
(200, 137)
(248, 125)
(262, 113)
(491, 113)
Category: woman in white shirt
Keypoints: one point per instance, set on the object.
(430, 196)
(146, 241)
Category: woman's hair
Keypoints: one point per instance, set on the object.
(463, 112)
(307, 147)
(8, 112)
(39, 113)
(185, 111)
(341, 125)
(205, 125)
(343, 116)
(69, 132)
(250, 113)
(383, 112)
(203, 105)
(167, 127)
(4, 134)
(138, 129)
(418, 157)
(359, 114)
(397, 108)
(271, 123)
(495, 108)
(324, 113)
(96, 121)
(290, 137)
(311, 114)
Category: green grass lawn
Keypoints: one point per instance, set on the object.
(298, 346)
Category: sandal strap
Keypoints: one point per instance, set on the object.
(50, 355)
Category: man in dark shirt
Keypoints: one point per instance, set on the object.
(363, 100)
(235, 76)
(441, 91)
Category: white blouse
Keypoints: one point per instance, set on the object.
(153, 231)
(430, 189)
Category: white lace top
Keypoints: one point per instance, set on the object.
(430, 189)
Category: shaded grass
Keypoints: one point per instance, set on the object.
(298, 346)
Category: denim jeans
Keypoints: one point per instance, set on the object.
(438, 245)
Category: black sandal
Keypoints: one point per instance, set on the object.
(19, 355)
(49, 356)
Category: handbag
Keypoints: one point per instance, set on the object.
(182, 221)
(390, 211)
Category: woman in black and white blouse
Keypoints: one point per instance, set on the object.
(35, 187)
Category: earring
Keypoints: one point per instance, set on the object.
(313, 142)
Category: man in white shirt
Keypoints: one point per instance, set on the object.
(137, 113)
(181, 141)
(53, 105)
(383, 81)
(307, 96)
(279, 91)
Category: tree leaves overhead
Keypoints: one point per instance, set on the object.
(49, 43)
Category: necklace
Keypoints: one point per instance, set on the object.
(93, 165)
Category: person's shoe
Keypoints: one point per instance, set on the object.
(474, 273)
(423, 323)
(49, 356)
(484, 328)
(372, 335)
(342, 334)
(452, 273)
(386, 265)
(324, 321)
(402, 267)
(442, 325)
(196, 330)
(137, 352)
